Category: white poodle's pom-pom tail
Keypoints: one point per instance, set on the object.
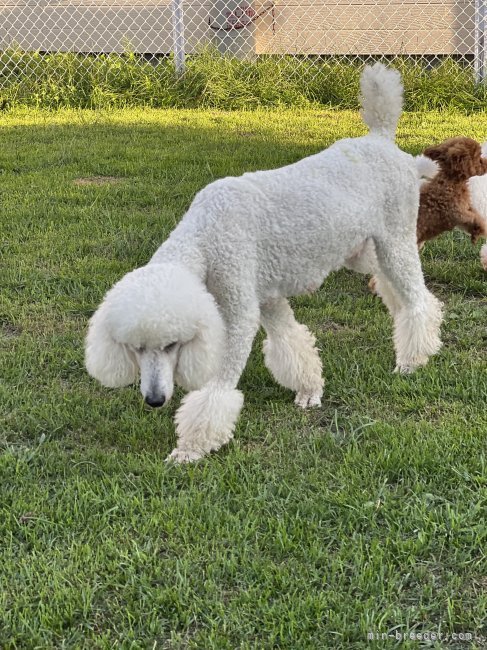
(381, 98)
(427, 168)
(483, 257)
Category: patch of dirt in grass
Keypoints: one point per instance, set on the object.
(10, 331)
(27, 518)
(97, 180)
(333, 326)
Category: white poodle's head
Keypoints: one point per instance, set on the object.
(161, 322)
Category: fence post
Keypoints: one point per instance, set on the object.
(479, 55)
(178, 36)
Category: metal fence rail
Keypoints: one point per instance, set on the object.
(345, 29)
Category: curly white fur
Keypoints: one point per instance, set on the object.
(243, 247)
(427, 168)
(205, 421)
(148, 310)
(483, 257)
(478, 195)
(381, 98)
(290, 353)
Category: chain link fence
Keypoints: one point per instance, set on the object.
(286, 30)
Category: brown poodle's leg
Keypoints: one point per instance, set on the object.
(473, 222)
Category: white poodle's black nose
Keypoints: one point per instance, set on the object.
(155, 402)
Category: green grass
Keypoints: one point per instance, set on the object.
(308, 531)
(212, 80)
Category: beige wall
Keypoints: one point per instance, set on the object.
(294, 26)
(96, 27)
(381, 27)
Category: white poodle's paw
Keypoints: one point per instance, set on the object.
(205, 421)
(407, 368)
(373, 285)
(416, 333)
(180, 456)
(404, 369)
(305, 400)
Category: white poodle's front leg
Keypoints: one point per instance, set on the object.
(205, 421)
(290, 353)
(206, 418)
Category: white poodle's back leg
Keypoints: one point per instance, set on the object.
(417, 313)
(206, 418)
(365, 261)
(386, 291)
(290, 353)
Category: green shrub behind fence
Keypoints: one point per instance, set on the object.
(217, 81)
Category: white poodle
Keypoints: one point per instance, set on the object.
(477, 186)
(245, 245)
(478, 195)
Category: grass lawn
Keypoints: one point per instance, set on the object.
(312, 529)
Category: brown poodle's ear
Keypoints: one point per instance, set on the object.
(435, 153)
(459, 158)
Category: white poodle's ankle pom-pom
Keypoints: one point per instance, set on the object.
(205, 421)
(417, 334)
(483, 257)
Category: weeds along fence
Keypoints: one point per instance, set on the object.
(238, 53)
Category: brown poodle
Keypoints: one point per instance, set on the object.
(445, 199)
(444, 202)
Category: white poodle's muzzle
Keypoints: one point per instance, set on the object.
(157, 374)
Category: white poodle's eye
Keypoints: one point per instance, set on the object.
(170, 347)
(139, 348)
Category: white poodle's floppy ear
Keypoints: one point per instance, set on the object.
(200, 358)
(112, 363)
